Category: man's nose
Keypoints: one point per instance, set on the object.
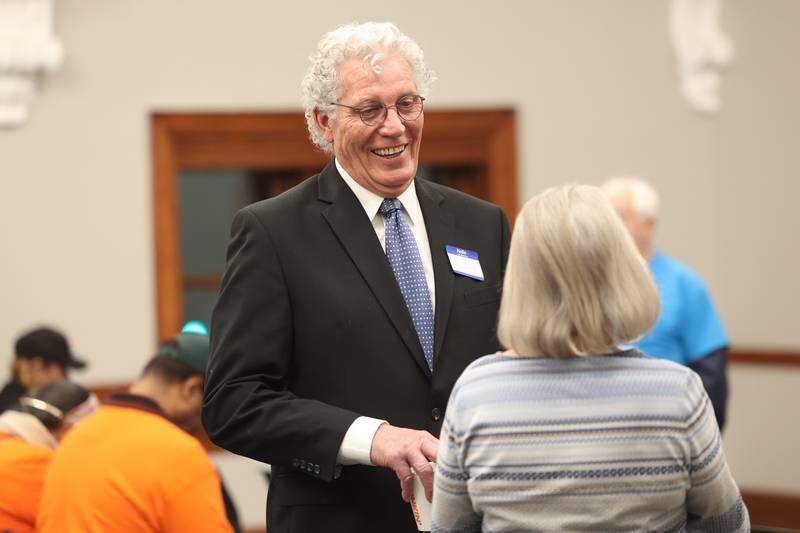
(392, 123)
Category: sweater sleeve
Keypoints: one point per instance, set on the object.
(714, 503)
(452, 507)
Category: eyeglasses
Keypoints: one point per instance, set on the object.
(408, 108)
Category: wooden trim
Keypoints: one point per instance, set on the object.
(504, 191)
(480, 138)
(241, 140)
(104, 391)
(166, 229)
(766, 357)
(202, 281)
(772, 509)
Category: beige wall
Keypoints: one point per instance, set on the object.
(596, 94)
(756, 158)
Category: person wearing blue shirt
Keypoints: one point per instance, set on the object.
(689, 330)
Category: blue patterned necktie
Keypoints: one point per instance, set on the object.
(403, 255)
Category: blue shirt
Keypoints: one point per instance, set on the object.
(688, 327)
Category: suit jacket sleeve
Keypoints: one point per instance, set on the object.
(247, 407)
(712, 370)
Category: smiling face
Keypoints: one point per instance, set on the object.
(381, 158)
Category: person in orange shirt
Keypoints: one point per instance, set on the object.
(133, 466)
(28, 435)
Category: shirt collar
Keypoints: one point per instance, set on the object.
(134, 401)
(142, 403)
(371, 202)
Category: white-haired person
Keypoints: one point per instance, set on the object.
(688, 331)
(29, 432)
(565, 431)
(352, 302)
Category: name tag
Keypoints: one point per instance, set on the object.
(464, 262)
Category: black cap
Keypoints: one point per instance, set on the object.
(48, 344)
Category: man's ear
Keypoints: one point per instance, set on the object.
(192, 386)
(323, 122)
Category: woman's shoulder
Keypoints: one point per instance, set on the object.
(500, 367)
(656, 364)
(490, 363)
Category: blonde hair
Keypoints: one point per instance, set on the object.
(575, 284)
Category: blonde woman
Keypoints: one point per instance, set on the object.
(566, 430)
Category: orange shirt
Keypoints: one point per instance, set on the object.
(22, 470)
(127, 469)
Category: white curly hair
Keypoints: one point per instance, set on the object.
(368, 41)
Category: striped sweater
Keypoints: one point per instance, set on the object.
(615, 443)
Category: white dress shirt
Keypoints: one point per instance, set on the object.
(357, 442)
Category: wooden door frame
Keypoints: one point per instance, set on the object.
(181, 141)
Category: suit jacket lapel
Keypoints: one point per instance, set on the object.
(440, 226)
(348, 221)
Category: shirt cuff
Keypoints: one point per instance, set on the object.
(357, 442)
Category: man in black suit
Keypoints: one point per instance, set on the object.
(338, 336)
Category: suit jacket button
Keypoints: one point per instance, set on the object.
(295, 463)
(316, 469)
(436, 413)
(302, 465)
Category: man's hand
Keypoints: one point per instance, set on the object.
(401, 450)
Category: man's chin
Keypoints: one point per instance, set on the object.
(397, 178)
(392, 188)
